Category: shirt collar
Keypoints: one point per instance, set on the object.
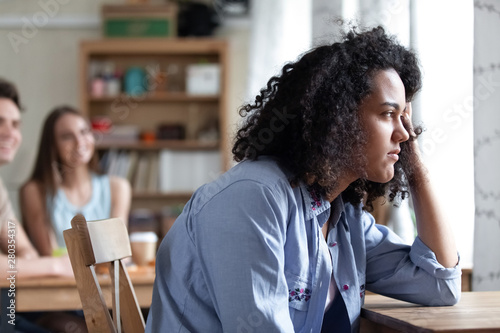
(338, 209)
(314, 205)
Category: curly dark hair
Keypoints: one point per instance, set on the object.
(308, 116)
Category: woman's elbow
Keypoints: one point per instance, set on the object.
(448, 293)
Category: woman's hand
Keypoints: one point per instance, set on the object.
(410, 156)
(406, 118)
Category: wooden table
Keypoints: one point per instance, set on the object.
(55, 293)
(476, 312)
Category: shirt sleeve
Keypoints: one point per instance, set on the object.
(241, 249)
(409, 273)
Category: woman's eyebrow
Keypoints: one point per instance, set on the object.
(393, 104)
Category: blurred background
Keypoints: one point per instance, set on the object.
(41, 51)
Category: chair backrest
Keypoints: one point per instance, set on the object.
(96, 242)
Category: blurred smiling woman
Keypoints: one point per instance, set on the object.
(66, 181)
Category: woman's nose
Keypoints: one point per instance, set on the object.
(400, 132)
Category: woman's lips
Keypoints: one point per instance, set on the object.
(394, 154)
(395, 157)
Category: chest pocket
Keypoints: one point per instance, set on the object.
(299, 292)
(299, 295)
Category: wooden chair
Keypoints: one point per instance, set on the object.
(104, 241)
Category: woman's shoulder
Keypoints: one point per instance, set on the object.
(31, 187)
(266, 170)
(117, 183)
(246, 179)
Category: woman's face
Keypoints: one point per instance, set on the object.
(381, 117)
(74, 140)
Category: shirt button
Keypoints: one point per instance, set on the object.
(332, 244)
(345, 287)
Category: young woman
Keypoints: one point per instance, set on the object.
(65, 182)
(282, 242)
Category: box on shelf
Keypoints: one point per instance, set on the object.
(203, 79)
(140, 20)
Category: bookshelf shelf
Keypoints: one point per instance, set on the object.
(162, 144)
(161, 172)
(156, 97)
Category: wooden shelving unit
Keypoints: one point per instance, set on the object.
(158, 107)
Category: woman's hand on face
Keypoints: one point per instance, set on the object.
(407, 122)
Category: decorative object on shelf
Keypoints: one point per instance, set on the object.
(171, 132)
(196, 19)
(140, 20)
(157, 79)
(176, 78)
(101, 124)
(135, 81)
(148, 136)
(105, 81)
(113, 85)
(97, 87)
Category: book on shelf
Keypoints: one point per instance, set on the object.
(163, 171)
(187, 170)
(134, 159)
(153, 176)
(141, 176)
(117, 163)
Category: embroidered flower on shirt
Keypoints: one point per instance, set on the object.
(316, 201)
(362, 291)
(299, 294)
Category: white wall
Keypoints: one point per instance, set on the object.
(486, 274)
(281, 31)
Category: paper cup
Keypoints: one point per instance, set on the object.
(143, 245)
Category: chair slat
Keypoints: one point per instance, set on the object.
(108, 240)
(115, 278)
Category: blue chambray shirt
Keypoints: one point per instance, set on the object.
(247, 254)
